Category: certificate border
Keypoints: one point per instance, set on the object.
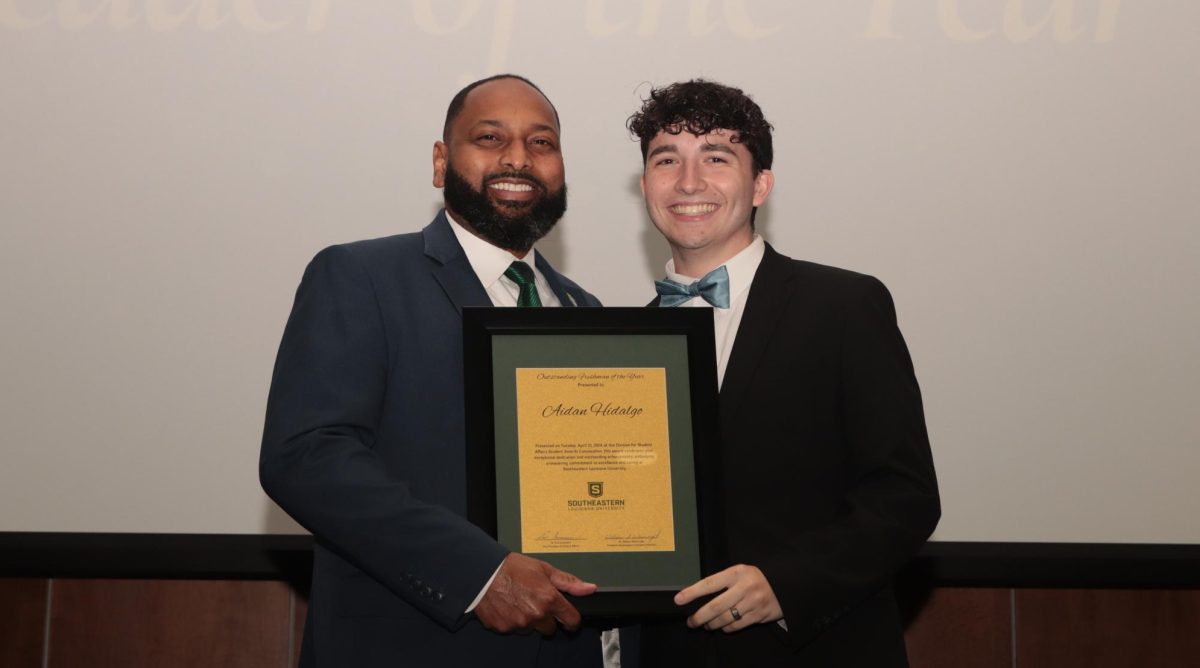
(480, 325)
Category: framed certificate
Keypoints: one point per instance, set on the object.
(591, 445)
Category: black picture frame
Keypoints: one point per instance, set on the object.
(561, 328)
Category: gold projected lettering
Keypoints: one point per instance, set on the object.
(168, 15)
(1013, 21)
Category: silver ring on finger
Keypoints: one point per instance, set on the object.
(737, 616)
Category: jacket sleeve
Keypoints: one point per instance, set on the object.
(891, 506)
(319, 461)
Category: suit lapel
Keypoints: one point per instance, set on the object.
(451, 268)
(769, 294)
(554, 280)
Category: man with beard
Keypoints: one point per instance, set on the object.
(364, 441)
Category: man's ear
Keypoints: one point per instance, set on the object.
(642, 183)
(763, 184)
(440, 152)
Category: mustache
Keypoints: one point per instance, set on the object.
(517, 176)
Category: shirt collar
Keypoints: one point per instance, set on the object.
(488, 261)
(741, 268)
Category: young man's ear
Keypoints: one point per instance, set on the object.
(763, 184)
(440, 151)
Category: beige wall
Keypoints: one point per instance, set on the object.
(1023, 175)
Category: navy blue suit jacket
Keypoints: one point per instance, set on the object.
(364, 446)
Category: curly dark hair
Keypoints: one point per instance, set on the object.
(699, 107)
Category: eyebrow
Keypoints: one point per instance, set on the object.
(662, 148)
(718, 148)
(706, 148)
(537, 127)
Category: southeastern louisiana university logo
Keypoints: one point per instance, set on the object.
(595, 489)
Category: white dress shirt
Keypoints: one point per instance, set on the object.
(490, 262)
(741, 268)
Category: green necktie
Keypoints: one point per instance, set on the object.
(522, 274)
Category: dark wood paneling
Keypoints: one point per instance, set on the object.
(22, 622)
(136, 623)
(962, 628)
(298, 625)
(1058, 628)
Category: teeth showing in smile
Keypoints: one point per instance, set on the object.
(693, 209)
(512, 187)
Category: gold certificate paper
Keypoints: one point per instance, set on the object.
(594, 460)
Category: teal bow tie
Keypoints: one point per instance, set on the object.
(713, 288)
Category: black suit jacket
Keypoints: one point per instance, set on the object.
(364, 446)
(827, 479)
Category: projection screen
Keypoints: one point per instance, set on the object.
(1022, 174)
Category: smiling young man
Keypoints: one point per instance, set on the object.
(827, 482)
(364, 442)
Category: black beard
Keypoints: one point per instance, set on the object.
(500, 225)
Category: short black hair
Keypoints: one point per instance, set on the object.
(460, 100)
(699, 107)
